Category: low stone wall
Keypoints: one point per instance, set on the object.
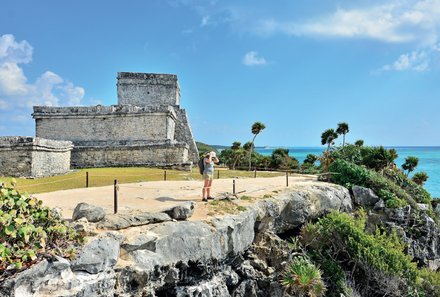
(132, 153)
(33, 157)
(114, 123)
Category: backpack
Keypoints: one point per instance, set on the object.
(201, 165)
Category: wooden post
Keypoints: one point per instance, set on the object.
(287, 178)
(115, 196)
(164, 175)
(87, 179)
(233, 186)
(255, 172)
(218, 174)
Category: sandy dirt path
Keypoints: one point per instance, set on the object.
(160, 195)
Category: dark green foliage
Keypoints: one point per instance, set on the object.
(339, 241)
(247, 146)
(349, 174)
(28, 230)
(302, 277)
(342, 129)
(311, 159)
(280, 159)
(420, 178)
(333, 272)
(359, 142)
(416, 191)
(327, 137)
(256, 129)
(410, 164)
(377, 158)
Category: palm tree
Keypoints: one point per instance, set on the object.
(359, 142)
(327, 137)
(237, 152)
(342, 130)
(410, 164)
(420, 178)
(256, 129)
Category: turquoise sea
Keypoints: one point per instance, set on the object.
(429, 161)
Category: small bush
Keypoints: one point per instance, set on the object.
(412, 188)
(340, 236)
(349, 174)
(303, 277)
(28, 230)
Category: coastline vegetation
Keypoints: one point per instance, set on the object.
(351, 256)
(30, 232)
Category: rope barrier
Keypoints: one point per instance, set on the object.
(51, 182)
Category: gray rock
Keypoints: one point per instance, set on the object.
(246, 288)
(123, 221)
(423, 207)
(182, 211)
(380, 205)
(90, 212)
(230, 276)
(56, 279)
(296, 207)
(364, 196)
(212, 288)
(101, 253)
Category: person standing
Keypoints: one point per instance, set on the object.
(208, 174)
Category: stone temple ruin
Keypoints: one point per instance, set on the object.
(146, 128)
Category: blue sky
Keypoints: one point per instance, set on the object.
(299, 67)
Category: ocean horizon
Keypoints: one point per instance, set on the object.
(429, 160)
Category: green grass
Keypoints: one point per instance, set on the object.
(106, 176)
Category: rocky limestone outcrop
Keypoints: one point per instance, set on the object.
(234, 255)
(419, 231)
(91, 212)
(364, 196)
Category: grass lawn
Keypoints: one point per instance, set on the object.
(106, 176)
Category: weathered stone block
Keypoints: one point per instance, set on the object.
(33, 157)
(148, 89)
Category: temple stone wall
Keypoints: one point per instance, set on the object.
(184, 134)
(146, 128)
(33, 157)
(110, 123)
(148, 89)
(132, 154)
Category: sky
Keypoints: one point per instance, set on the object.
(300, 67)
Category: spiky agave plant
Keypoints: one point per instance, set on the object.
(303, 278)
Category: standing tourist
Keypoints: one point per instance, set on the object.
(208, 174)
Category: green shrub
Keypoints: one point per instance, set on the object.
(28, 230)
(413, 189)
(349, 174)
(339, 235)
(376, 158)
(303, 277)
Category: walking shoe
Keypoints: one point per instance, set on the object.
(210, 198)
(205, 199)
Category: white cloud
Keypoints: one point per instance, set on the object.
(14, 52)
(252, 59)
(397, 21)
(17, 95)
(416, 61)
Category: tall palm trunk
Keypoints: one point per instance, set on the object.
(250, 151)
